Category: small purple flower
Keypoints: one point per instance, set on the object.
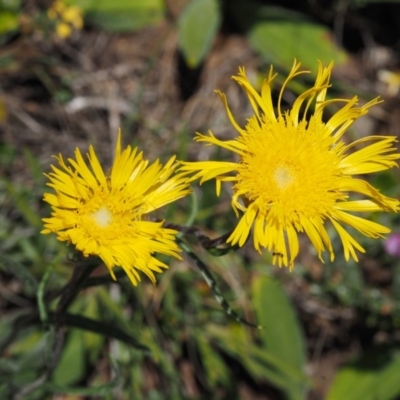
(392, 244)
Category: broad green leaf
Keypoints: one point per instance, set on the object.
(198, 25)
(72, 365)
(95, 390)
(280, 42)
(281, 334)
(374, 376)
(122, 15)
(28, 281)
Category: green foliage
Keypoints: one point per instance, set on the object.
(71, 366)
(259, 361)
(22, 273)
(276, 33)
(346, 283)
(9, 12)
(280, 35)
(198, 25)
(281, 332)
(8, 21)
(279, 42)
(93, 320)
(122, 15)
(216, 370)
(374, 376)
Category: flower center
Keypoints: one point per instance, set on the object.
(283, 176)
(290, 167)
(102, 217)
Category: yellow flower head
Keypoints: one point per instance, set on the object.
(68, 18)
(296, 173)
(63, 30)
(106, 215)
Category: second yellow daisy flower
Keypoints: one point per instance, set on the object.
(296, 173)
(107, 215)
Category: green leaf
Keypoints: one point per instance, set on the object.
(72, 365)
(21, 272)
(8, 21)
(197, 27)
(281, 333)
(374, 376)
(100, 390)
(280, 42)
(122, 15)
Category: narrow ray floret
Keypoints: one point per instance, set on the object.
(108, 214)
(296, 173)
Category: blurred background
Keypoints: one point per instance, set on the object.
(71, 74)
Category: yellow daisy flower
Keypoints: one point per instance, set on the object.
(106, 214)
(73, 16)
(296, 173)
(68, 18)
(63, 30)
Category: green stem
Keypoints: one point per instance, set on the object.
(214, 287)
